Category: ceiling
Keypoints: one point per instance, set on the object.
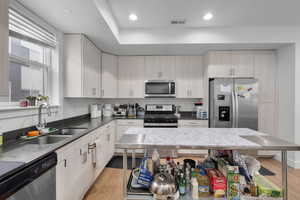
(105, 22)
(159, 13)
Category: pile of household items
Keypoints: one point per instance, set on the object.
(221, 175)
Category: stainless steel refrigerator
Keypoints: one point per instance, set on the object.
(233, 103)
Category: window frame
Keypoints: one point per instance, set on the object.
(29, 63)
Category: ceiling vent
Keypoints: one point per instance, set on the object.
(178, 21)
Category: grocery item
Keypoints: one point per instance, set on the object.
(217, 182)
(145, 176)
(266, 188)
(203, 183)
(233, 186)
(240, 161)
(194, 184)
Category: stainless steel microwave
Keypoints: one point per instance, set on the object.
(160, 88)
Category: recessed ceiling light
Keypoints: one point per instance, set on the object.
(133, 17)
(208, 16)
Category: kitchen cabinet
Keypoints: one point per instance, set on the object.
(131, 76)
(219, 64)
(230, 64)
(82, 67)
(243, 64)
(160, 68)
(72, 171)
(123, 126)
(4, 48)
(189, 76)
(75, 168)
(265, 73)
(109, 76)
(193, 123)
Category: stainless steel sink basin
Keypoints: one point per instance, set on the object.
(68, 131)
(48, 139)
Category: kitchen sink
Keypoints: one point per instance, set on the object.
(68, 131)
(48, 139)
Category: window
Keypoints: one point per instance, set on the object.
(28, 69)
(30, 57)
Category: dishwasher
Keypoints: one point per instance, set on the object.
(34, 182)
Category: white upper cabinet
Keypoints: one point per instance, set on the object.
(131, 76)
(160, 68)
(4, 47)
(189, 76)
(243, 64)
(228, 64)
(82, 67)
(109, 76)
(219, 64)
(265, 71)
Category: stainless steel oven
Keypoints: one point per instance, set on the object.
(160, 88)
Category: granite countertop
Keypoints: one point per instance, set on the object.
(202, 138)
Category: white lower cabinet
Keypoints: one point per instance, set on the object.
(192, 124)
(75, 171)
(123, 125)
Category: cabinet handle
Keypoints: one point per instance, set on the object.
(94, 91)
(102, 92)
(108, 137)
(190, 92)
(65, 163)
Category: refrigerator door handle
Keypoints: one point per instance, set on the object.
(233, 109)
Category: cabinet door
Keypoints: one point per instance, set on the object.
(4, 48)
(109, 76)
(265, 69)
(101, 145)
(91, 69)
(219, 64)
(266, 121)
(243, 64)
(196, 77)
(160, 68)
(131, 77)
(189, 76)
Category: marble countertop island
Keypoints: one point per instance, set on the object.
(201, 138)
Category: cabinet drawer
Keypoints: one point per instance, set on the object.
(130, 122)
(201, 123)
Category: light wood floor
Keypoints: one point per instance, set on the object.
(108, 186)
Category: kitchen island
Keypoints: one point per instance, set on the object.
(201, 138)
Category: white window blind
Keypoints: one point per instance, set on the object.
(25, 29)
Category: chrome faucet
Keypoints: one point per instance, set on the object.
(41, 124)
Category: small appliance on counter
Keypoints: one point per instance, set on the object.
(200, 112)
(131, 111)
(96, 110)
(107, 110)
(120, 110)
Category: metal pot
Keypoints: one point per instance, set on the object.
(163, 184)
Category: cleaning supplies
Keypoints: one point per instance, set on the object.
(1, 139)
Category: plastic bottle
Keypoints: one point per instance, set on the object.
(195, 186)
(203, 184)
(156, 161)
